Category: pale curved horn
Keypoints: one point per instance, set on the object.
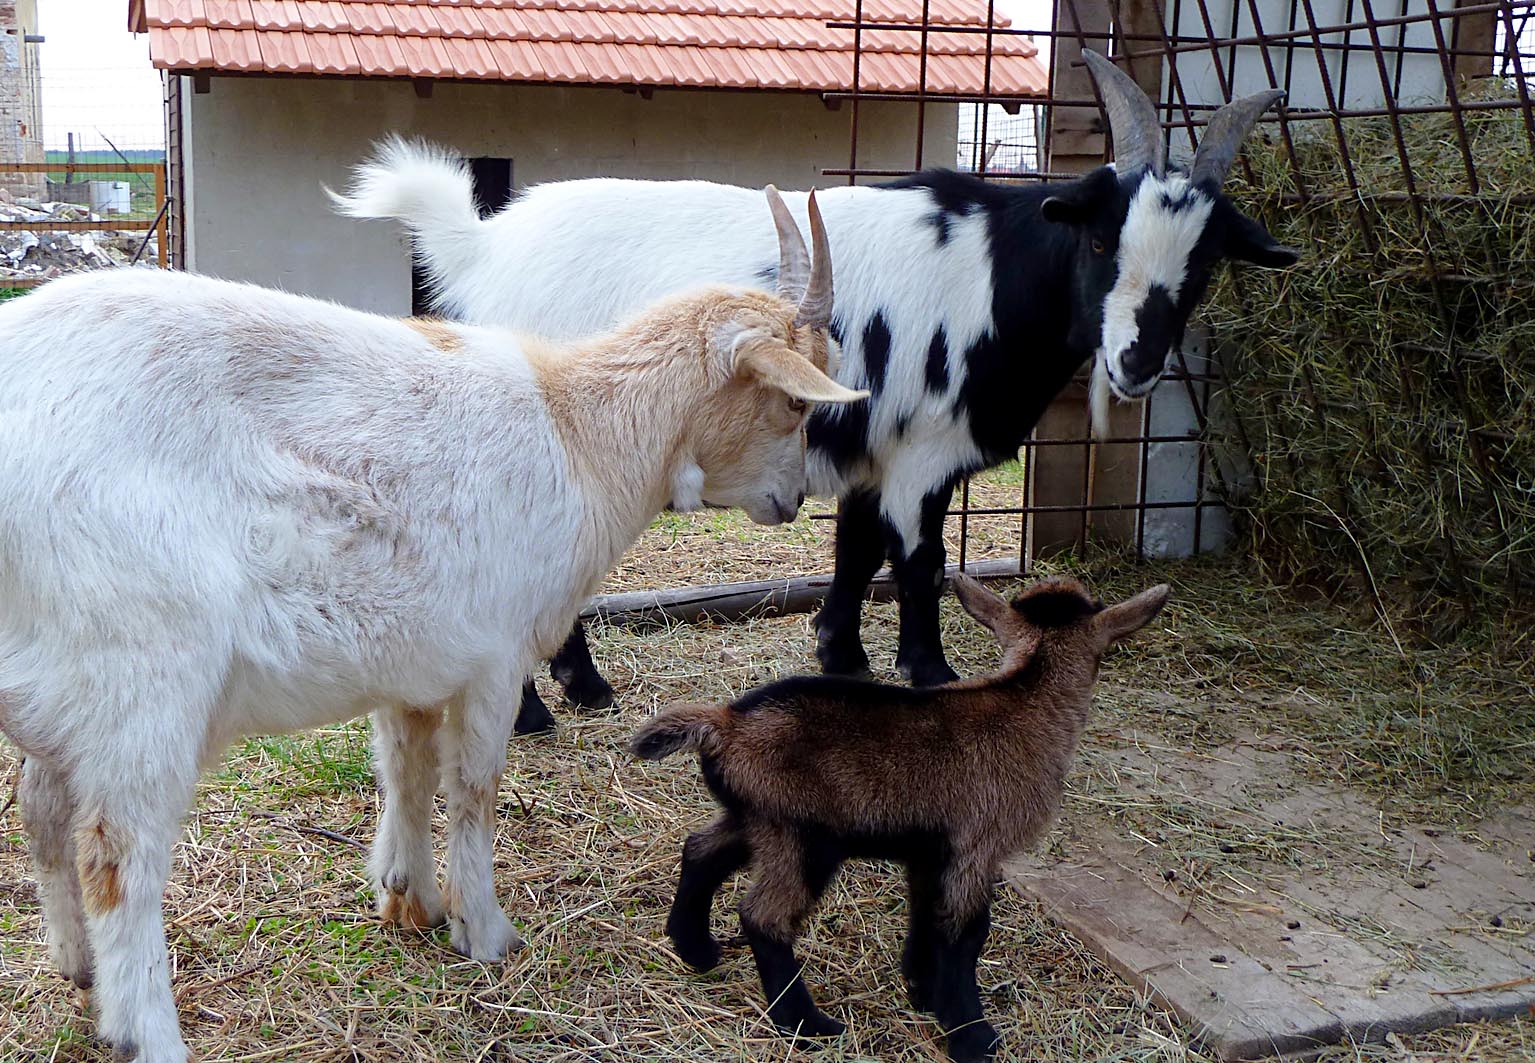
(1224, 134)
(815, 305)
(1132, 117)
(793, 259)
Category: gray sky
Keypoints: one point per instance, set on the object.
(96, 76)
(97, 79)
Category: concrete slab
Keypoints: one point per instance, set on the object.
(1318, 919)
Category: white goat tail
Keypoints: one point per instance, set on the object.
(426, 189)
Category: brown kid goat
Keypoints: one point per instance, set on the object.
(949, 781)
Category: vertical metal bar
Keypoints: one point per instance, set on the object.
(985, 105)
(1452, 95)
(852, 153)
(1346, 56)
(1367, 230)
(922, 83)
(1140, 489)
(1511, 46)
(1284, 121)
(964, 520)
(1401, 44)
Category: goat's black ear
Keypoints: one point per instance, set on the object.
(1126, 618)
(1082, 199)
(1249, 241)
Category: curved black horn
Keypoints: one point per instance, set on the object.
(793, 259)
(1224, 134)
(1132, 116)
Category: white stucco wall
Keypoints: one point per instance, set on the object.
(258, 150)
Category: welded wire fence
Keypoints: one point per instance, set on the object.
(1154, 482)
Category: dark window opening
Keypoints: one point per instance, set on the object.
(492, 191)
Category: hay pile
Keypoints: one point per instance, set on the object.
(1384, 390)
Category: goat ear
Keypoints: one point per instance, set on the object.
(990, 609)
(1126, 618)
(1081, 199)
(757, 354)
(1249, 241)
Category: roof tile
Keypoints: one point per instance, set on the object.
(228, 14)
(285, 53)
(276, 15)
(236, 50)
(182, 46)
(380, 56)
(517, 60)
(332, 53)
(770, 44)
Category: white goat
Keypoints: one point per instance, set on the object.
(234, 511)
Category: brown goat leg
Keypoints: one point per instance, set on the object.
(956, 998)
(919, 958)
(709, 857)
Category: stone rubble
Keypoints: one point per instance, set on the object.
(38, 253)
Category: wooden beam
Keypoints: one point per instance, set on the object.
(771, 597)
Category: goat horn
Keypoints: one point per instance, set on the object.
(1224, 134)
(1132, 117)
(815, 305)
(793, 259)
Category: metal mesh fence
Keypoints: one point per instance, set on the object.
(1150, 482)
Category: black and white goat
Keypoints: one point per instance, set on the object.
(963, 306)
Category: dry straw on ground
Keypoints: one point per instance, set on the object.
(277, 955)
(1385, 389)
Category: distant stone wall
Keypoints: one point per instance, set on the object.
(21, 105)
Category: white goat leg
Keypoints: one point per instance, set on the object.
(47, 814)
(123, 837)
(405, 761)
(478, 727)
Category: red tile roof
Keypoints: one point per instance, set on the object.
(768, 44)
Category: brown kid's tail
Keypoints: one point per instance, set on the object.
(686, 726)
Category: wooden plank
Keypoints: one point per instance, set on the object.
(81, 167)
(729, 601)
(1373, 927)
(53, 225)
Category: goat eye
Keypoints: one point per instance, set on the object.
(798, 405)
(1097, 246)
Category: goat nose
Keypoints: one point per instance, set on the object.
(799, 500)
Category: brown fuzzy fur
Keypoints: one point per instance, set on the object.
(951, 780)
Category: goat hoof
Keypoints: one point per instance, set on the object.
(811, 1027)
(930, 673)
(589, 692)
(701, 954)
(404, 908)
(919, 993)
(850, 661)
(533, 717)
(974, 1043)
(496, 939)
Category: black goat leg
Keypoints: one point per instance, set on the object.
(790, 1005)
(919, 585)
(709, 857)
(860, 550)
(533, 716)
(573, 669)
(920, 956)
(957, 999)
